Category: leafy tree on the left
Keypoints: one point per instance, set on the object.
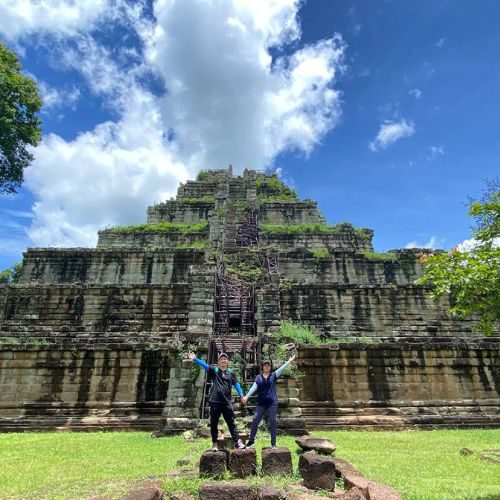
(20, 126)
(12, 275)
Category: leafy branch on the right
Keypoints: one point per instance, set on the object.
(472, 277)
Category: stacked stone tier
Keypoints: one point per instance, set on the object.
(185, 212)
(38, 310)
(148, 238)
(346, 310)
(120, 266)
(403, 383)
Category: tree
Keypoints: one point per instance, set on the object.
(472, 278)
(19, 124)
(12, 275)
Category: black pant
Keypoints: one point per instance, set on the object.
(216, 409)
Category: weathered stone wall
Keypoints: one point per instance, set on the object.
(427, 383)
(290, 212)
(197, 189)
(86, 265)
(344, 268)
(344, 240)
(109, 239)
(180, 212)
(368, 310)
(41, 310)
(43, 387)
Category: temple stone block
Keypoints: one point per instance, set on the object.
(276, 461)
(213, 464)
(243, 463)
(317, 472)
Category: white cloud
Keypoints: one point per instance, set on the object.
(390, 132)
(227, 101)
(416, 93)
(433, 243)
(111, 174)
(64, 17)
(470, 245)
(54, 98)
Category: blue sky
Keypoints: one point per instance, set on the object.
(386, 112)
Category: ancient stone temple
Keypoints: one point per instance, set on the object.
(97, 338)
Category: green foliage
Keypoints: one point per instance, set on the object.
(272, 189)
(386, 257)
(242, 206)
(202, 175)
(12, 275)
(202, 199)
(245, 270)
(472, 279)
(297, 333)
(221, 213)
(320, 253)
(19, 122)
(163, 227)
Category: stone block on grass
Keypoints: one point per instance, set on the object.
(277, 461)
(226, 491)
(213, 464)
(145, 494)
(243, 463)
(318, 472)
(271, 493)
(320, 445)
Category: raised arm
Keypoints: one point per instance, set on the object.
(199, 362)
(251, 391)
(284, 366)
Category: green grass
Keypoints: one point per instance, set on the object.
(419, 464)
(162, 227)
(387, 257)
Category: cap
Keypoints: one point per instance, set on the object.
(222, 355)
(268, 361)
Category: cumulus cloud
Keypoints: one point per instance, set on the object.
(228, 99)
(19, 18)
(116, 170)
(390, 132)
(433, 243)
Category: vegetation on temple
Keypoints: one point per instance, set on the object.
(312, 228)
(386, 256)
(272, 189)
(20, 126)
(163, 227)
(472, 278)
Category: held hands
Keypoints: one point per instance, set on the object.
(291, 359)
(243, 400)
(191, 355)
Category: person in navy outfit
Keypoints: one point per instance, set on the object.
(223, 379)
(265, 386)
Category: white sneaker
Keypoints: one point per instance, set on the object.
(274, 447)
(240, 445)
(215, 447)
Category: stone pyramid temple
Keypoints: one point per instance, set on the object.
(97, 338)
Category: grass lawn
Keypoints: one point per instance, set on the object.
(420, 464)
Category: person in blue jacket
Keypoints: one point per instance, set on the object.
(223, 378)
(267, 400)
